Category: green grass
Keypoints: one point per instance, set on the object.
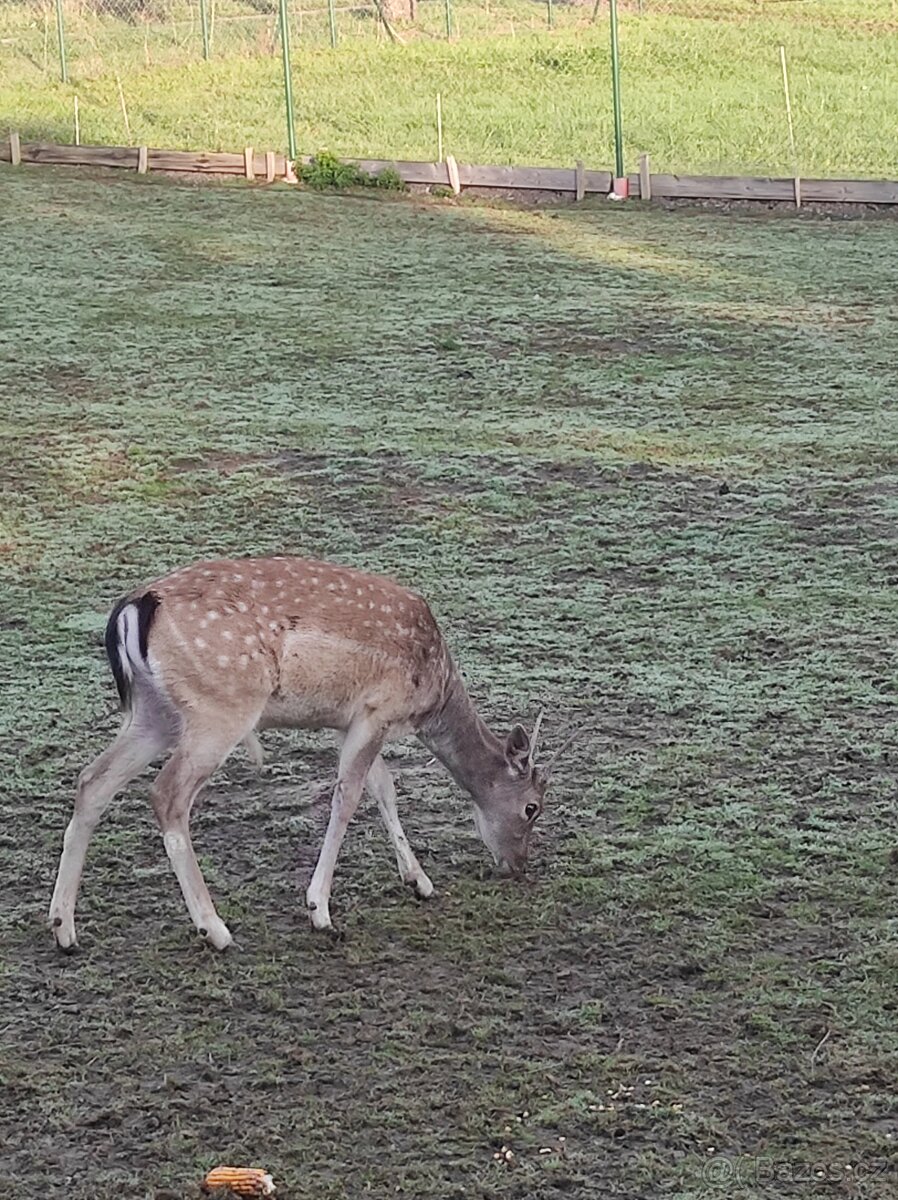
(700, 92)
(642, 464)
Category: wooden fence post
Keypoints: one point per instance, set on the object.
(249, 163)
(579, 181)
(645, 178)
(15, 148)
(142, 160)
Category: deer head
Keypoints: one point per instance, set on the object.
(507, 812)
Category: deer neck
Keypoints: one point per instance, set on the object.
(469, 750)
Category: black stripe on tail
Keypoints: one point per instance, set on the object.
(146, 606)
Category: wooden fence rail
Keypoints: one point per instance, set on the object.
(574, 180)
(130, 157)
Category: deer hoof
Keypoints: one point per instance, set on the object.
(217, 934)
(421, 886)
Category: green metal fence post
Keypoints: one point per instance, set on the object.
(332, 21)
(288, 79)
(615, 88)
(204, 21)
(448, 5)
(550, 13)
(60, 34)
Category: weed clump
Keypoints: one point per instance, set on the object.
(326, 173)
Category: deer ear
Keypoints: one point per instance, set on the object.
(517, 750)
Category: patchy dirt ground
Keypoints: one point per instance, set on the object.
(643, 464)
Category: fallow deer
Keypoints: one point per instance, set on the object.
(206, 656)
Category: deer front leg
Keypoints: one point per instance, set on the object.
(360, 747)
(381, 786)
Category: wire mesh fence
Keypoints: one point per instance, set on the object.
(520, 80)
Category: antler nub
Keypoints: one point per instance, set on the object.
(572, 737)
(534, 737)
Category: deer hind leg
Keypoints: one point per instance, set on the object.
(198, 755)
(145, 737)
(380, 785)
(360, 747)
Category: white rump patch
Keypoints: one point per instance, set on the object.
(128, 641)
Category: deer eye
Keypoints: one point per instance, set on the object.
(531, 812)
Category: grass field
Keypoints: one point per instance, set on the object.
(700, 93)
(642, 463)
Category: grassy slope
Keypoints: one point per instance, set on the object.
(699, 95)
(533, 417)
